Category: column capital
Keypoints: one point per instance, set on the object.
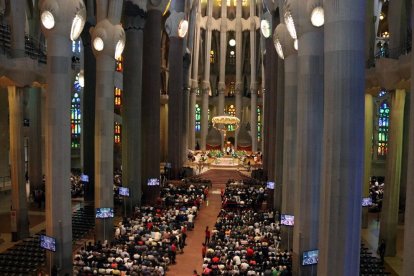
(63, 13)
(194, 84)
(172, 23)
(158, 5)
(205, 85)
(110, 35)
(135, 13)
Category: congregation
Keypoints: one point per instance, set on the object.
(147, 242)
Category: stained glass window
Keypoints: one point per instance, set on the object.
(117, 131)
(76, 46)
(383, 125)
(119, 65)
(259, 123)
(231, 110)
(212, 56)
(118, 94)
(75, 116)
(197, 117)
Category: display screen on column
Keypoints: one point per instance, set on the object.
(104, 212)
(48, 243)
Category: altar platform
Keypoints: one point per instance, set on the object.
(225, 162)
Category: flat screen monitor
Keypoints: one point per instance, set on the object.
(288, 220)
(168, 165)
(153, 182)
(84, 178)
(123, 191)
(270, 185)
(48, 243)
(366, 201)
(310, 257)
(104, 213)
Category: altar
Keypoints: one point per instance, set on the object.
(225, 162)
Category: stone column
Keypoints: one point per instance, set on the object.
(57, 131)
(343, 138)
(268, 129)
(151, 86)
(289, 170)
(389, 212)
(57, 143)
(206, 81)
(17, 24)
(253, 80)
(223, 56)
(132, 101)
(175, 88)
(4, 135)
(19, 216)
(35, 139)
(239, 83)
(309, 137)
(397, 27)
(108, 22)
(88, 106)
(369, 118)
(194, 80)
(408, 266)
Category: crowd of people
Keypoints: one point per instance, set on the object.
(147, 242)
(244, 241)
(239, 195)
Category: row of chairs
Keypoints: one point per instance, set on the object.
(370, 265)
(24, 258)
(83, 221)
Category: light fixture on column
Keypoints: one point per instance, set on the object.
(279, 48)
(265, 28)
(317, 17)
(119, 48)
(77, 25)
(316, 12)
(296, 44)
(98, 44)
(290, 23)
(48, 20)
(183, 28)
(56, 14)
(232, 42)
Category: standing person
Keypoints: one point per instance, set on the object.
(208, 233)
(203, 251)
(381, 250)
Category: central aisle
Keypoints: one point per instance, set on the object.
(191, 258)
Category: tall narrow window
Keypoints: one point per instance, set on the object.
(231, 110)
(259, 123)
(382, 123)
(197, 117)
(119, 65)
(117, 132)
(75, 117)
(212, 56)
(118, 94)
